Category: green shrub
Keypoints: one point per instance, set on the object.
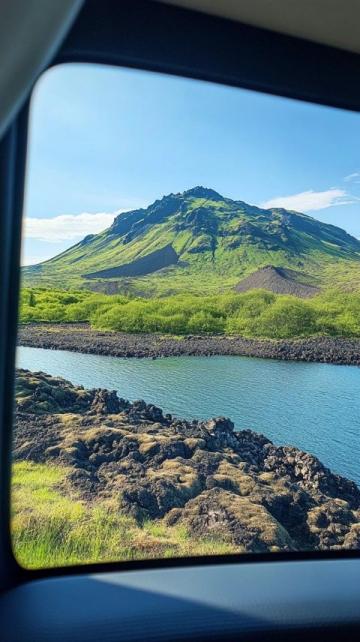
(287, 317)
(204, 322)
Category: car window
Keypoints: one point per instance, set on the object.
(189, 323)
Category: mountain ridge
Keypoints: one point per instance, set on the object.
(210, 242)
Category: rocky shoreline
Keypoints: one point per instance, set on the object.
(202, 475)
(79, 337)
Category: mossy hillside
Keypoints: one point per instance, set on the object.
(217, 240)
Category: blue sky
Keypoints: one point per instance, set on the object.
(104, 139)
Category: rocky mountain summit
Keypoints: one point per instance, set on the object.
(237, 486)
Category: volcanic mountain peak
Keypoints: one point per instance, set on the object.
(199, 240)
(167, 205)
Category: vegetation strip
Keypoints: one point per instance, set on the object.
(253, 314)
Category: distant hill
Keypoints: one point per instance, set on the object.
(278, 280)
(200, 241)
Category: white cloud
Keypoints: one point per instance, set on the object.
(310, 200)
(353, 178)
(67, 227)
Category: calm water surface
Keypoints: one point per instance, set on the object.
(313, 406)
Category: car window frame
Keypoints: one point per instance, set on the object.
(217, 50)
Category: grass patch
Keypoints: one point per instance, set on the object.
(52, 527)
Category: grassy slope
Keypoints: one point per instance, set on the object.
(245, 238)
(51, 526)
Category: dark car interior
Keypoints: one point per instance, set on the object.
(282, 48)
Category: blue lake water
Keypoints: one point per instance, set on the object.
(313, 406)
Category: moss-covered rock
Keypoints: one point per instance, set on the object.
(202, 475)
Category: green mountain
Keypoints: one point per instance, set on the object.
(200, 241)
